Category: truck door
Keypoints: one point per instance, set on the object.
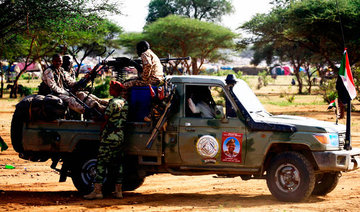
(210, 132)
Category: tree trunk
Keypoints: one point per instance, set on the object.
(195, 69)
(2, 82)
(300, 83)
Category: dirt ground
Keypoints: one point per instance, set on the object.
(34, 186)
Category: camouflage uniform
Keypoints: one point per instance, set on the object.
(152, 71)
(112, 141)
(58, 80)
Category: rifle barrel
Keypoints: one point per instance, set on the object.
(166, 60)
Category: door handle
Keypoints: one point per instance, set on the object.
(190, 129)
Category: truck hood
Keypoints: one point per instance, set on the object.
(303, 123)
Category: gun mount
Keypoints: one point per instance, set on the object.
(120, 63)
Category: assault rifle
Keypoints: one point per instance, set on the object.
(83, 103)
(121, 62)
(91, 75)
(167, 59)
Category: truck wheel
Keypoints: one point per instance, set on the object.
(19, 117)
(290, 177)
(325, 183)
(83, 173)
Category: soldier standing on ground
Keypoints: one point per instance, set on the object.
(152, 73)
(58, 80)
(112, 142)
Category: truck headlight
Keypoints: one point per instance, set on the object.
(328, 139)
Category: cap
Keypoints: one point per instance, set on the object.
(116, 85)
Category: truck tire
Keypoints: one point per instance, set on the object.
(83, 173)
(45, 108)
(20, 116)
(325, 183)
(290, 177)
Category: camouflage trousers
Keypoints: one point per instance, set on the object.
(140, 82)
(109, 161)
(91, 100)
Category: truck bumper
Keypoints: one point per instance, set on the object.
(338, 160)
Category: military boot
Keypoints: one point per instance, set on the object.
(118, 191)
(96, 193)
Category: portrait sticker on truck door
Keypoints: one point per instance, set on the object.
(208, 147)
(231, 147)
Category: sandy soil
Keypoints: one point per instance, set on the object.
(34, 186)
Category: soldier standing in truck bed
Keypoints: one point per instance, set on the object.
(58, 80)
(112, 142)
(152, 73)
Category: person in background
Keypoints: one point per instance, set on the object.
(112, 142)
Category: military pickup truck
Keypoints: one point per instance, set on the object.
(215, 126)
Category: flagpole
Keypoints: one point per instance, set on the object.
(347, 145)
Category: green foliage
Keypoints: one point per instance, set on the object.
(303, 32)
(356, 76)
(328, 90)
(25, 76)
(27, 90)
(208, 10)
(263, 79)
(129, 40)
(180, 36)
(288, 96)
(102, 90)
(91, 35)
(34, 30)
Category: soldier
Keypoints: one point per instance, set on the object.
(152, 73)
(58, 80)
(112, 142)
(68, 65)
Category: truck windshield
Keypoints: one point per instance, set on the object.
(249, 100)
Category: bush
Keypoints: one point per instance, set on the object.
(356, 73)
(102, 90)
(328, 89)
(25, 76)
(263, 79)
(26, 91)
(289, 97)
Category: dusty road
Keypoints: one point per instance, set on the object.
(35, 187)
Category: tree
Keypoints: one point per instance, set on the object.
(38, 21)
(180, 36)
(207, 10)
(91, 36)
(311, 25)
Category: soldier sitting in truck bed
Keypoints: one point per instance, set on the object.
(58, 81)
(152, 72)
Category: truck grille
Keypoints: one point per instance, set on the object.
(341, 140)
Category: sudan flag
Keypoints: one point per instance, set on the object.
(332, 104)
(345, 82)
